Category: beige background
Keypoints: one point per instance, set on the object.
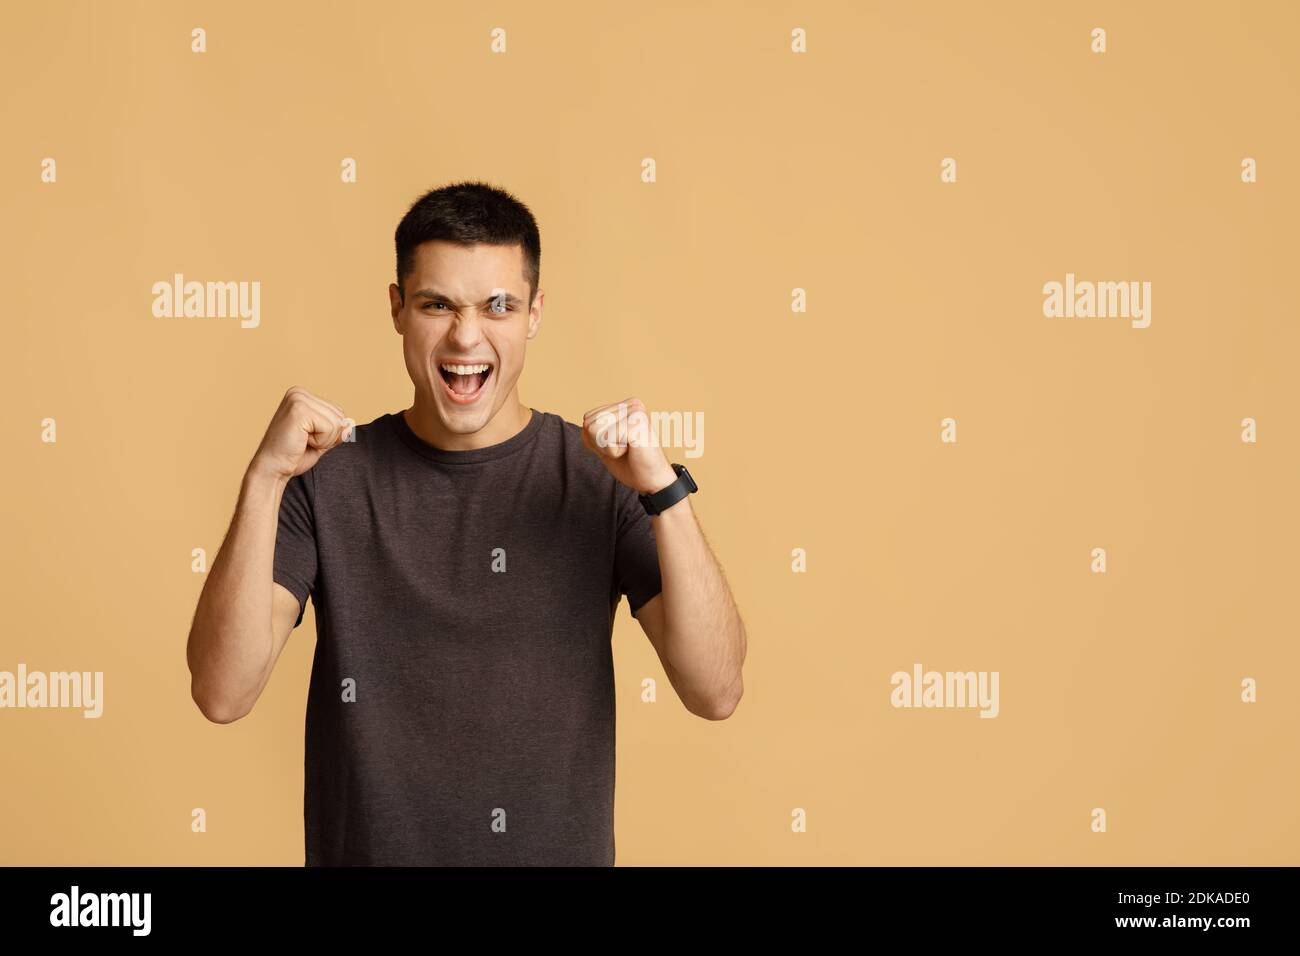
(776, 171)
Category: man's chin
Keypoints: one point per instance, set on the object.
(463, 419)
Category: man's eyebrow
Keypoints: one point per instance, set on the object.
(440, 297)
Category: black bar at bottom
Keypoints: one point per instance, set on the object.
(236, 905)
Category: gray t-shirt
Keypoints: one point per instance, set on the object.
(461, 708)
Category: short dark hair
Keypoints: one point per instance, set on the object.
(469, 212)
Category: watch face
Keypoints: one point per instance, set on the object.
(683, 473)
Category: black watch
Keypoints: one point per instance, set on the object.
(667, 497)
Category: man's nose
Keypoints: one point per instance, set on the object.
(465, 329)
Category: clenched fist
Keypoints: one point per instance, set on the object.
(620, 434)
(303, 428)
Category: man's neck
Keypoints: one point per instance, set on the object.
(509, 421)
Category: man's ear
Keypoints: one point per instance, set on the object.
(535, 314)
(395, 304)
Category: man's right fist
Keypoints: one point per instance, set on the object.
(303, 428)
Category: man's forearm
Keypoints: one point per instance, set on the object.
(704, 637)
(231, 640)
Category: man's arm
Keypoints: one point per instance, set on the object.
(243, 618)
(693, 622)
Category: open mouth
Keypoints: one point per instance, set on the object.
(464, 383)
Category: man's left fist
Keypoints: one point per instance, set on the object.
(620, 434)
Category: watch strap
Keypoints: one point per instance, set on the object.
(665, 498)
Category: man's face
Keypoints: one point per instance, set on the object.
(465, 306)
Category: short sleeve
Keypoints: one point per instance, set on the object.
(636, 554)
(295, 542)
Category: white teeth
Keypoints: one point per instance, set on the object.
(465, 369)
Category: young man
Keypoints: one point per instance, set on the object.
(466, 557)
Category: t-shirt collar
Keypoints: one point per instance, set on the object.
(471, 456)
